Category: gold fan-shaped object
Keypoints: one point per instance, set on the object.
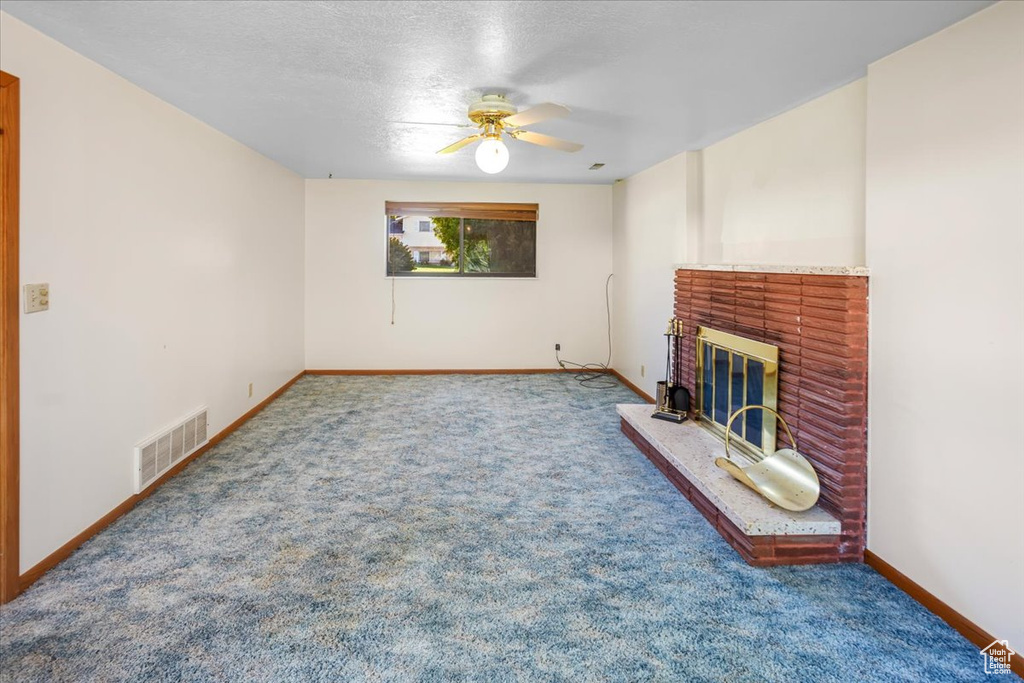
(784, 477)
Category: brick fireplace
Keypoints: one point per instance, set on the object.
(817, 317)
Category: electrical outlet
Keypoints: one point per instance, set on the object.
(558, 347)
(37, 297)
(643, 371)
(250, 389)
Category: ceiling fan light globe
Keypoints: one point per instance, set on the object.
(492, 156)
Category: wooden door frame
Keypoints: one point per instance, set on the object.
(10, 114)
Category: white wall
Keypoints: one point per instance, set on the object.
(175, 261)
(650, 226)
(484, 323)
(790, 190)
(787, 191)
(945, 244)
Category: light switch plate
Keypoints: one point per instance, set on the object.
(37, 297)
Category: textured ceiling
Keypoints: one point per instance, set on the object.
(321, 86)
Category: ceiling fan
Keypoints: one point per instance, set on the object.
(494, 115)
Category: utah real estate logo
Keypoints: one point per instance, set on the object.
(997, 657)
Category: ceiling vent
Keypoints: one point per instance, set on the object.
(159, 453)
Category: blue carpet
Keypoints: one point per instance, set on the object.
(450, 528)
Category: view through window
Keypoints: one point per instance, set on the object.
(461, 239)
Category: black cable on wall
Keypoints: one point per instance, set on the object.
(595, 375)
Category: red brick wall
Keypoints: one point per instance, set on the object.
(819, 323)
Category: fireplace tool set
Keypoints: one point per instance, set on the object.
(673, 401)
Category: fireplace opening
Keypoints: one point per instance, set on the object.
(733, 372)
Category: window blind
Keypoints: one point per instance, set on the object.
(480, 210)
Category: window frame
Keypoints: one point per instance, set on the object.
(529, 213)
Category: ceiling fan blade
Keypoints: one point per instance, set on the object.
(456, 146)
(542, 112)
(434, 123)
(546, 141)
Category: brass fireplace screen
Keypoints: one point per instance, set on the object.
(733, 372)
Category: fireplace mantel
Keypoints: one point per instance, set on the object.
(846, 271)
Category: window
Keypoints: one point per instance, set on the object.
(462, 239)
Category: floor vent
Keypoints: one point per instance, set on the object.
(159, 453)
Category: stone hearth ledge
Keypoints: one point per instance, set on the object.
(692, 450)
(849, 271)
